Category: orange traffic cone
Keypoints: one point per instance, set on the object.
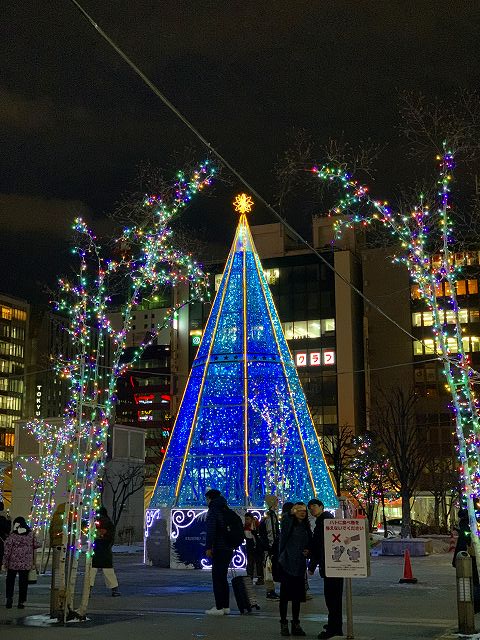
(407, 570)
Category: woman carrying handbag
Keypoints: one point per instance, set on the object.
(19, 557)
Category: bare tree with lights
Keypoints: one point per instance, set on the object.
(424, 235)
(145, 261)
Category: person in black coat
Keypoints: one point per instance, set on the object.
(464, 542)
(332, 587)
(102, 554)
(219, 550)
(295, 544)
(5, 526)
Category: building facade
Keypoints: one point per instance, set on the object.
(14, 315)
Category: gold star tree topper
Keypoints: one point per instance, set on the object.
(243, 203)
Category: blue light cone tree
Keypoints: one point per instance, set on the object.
(220, 440)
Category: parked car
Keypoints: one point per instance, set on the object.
(394, 528)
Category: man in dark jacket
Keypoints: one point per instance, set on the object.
(102, 554)
(5, 526)
(332, 587)
(269, 532)
(219, 551)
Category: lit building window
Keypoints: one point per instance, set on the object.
(313, 329)
(461, 287)
(6, 313)
(473, 286)
(417, 319)
(272, 275)
(328, 326)
(308, 328)
(415, 292)
(474, 315)
(427, 318)
(475, 343)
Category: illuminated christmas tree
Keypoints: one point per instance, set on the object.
(219, 439)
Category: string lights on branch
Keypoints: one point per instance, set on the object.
(147, 261)
(424, 236)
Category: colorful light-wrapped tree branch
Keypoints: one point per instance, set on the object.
(424, 235)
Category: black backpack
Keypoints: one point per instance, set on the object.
(234, 533)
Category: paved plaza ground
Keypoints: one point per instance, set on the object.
(164, 603)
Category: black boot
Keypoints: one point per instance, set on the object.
(297, 629)
(284, 631)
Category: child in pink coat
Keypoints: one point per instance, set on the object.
(19, 557)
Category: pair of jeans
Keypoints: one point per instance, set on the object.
(22, 584)
(220, 562)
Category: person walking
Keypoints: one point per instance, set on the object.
(5, 526)
(332, 587)
(295, 543)
(219, 550)
(269, 532)
(102, 552)
(19, 557)
(254, 548)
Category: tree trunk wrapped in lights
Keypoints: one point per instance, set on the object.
(425, 237)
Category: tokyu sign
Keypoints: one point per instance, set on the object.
(346, 548)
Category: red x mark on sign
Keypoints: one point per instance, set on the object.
(335, 538)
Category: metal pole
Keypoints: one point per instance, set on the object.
(349, 607)
(465, 604)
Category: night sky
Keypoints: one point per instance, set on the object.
(76, 121)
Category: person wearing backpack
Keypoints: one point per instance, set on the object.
(219, 546)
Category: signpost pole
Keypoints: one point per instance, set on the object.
(349, 608)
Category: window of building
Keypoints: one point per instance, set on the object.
(463, 316)
(475, 343)
(427, 318)
(19, 314)
(417, 319)
(471, 257)
(328, 326)
(450, 316)
(288, 330)
(417, 348)
(5, 313)
(447, 288)
(474, 315)
(313, 329)
(461, 287)
(415, 292)
(272, 275)
(473, 286)
(330, 415)
(300, 329)
(4, 331)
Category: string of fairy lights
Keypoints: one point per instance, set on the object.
(419, 234)
(147, 260)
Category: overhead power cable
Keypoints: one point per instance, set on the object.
(234, 171)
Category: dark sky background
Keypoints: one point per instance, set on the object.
(76, 121)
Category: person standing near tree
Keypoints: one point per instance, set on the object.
(102, 555)
(5, 526)
(295, 544)
(19, 557)
(269, 532)
(332, 587)
(220, 551)
(254, 548)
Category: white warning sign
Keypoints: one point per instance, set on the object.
(346, 548)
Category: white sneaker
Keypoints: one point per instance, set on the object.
(215, 612)
(226, 611)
